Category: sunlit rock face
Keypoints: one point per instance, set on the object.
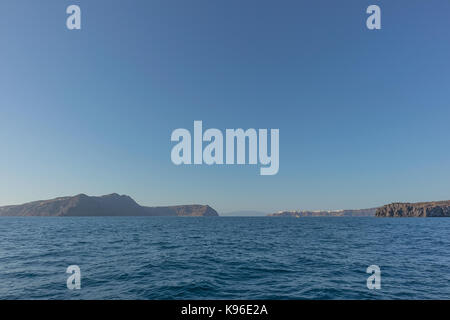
(420, 209)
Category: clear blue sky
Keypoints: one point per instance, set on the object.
(363, 115)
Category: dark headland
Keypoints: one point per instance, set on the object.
(107, 205)
(419, 209)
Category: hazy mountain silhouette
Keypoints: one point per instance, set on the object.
(107, 205)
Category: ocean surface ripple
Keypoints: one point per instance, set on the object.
(224, 257)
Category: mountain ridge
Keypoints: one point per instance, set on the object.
(107, 205)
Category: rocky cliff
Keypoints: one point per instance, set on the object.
(108, 205)
(420, 209)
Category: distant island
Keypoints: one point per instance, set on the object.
(107, 205)
(326, 213)
(398, 209)
(123, 205)
(419, 209)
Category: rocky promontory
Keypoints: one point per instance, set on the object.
(419, 209)
(108, 205)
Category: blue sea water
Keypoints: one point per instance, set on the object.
(224, 258)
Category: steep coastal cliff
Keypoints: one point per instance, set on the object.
(108, 205)
(420, 209)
